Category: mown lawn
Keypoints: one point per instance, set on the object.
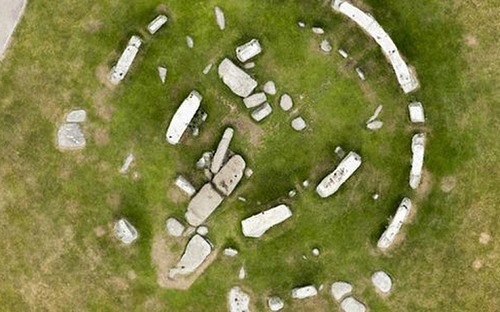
(52, 202)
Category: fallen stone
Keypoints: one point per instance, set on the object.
(205, 161)
(189, 231)
(239, 301)
(249, 65)
(162, 72)
(382, 281)
(230, 252)
(301, 24)
(202, 205)
(318, 30)
(286, 102)
(387, 238)
(230, 175)
(125, 231)
(376, 196)
(182, 117)
(174, 227)
(248, 50)
(262, 112)
(332, 182)
(197, 250)
(269, 87)
(325, 46)
(320, 288)
(305, 183)
(242, 273)
(375, 114)
(299, 124)
(242, 199)
(120, 70)
(275, 303)
(340, 290)
(236, 79)
(417, 163)
(70, 136)
(416, 110)
(315, 252)
(190, 42)
(256, 225)
(361, 73)
(77, 116)
(221, 152)
(343, 53)
(350, 304)
(219, 18)
(126, 163)
(202, 230)
(185, 186)
(255, 100)
(248, 172)
(157, 23)
(207, 69)
(374, 125)
(304, 292)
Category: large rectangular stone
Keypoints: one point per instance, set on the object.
(230, 175)
(332, 182)
(202, 205)
(236, 79)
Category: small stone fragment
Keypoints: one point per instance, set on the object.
(70, 136)
(219, 18)
(126, 163)
(249, 65)
(239, 301)
(255, 100)
(248, 172)
(185, 185)
(269, 87)
(205, 161)
(340, 290)
(301, 24)
(242, 274)
(292, 193)
(189, 231)
(125, 231)
(202, 230)
(382, 281)
(374, 125)
(77, 116)
(286, 102)
(343, 53)
(361, 73)
(318, 30)
(162, 72)
(262, 112)
(325, 46)
(190, 42)
(230, 252)
(299, 124)
(207, 69)
(174, 227)
(305, 183)
(304, 292)
(315, 252)
(350, 304)
(275, 303)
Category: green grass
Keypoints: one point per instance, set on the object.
(51, 201)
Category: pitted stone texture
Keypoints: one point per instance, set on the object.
(125, 231)
(70, 136)
(157, 23)
(78, 115)
(350, 304)
(270, 88)
(162, 72)
(197, 250)
(286, 102)
(174, 227)
(299, 124)
(318, 30)
(190, 42)
(275, 303)
(340, 290)
(238, 300)
(382, 281)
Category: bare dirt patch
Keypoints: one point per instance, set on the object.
(101, 136)
(471, 40)
(447, 184)
(425, 184)
(176, 195)
(477, 264)
(245, 125)
(114, 200)
(484, 238)
(100, 231)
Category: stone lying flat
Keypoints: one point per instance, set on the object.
(182, 117)
(162, 72)
(304, 292)
(275, 303)
(262, 112)
(207, 69)
(120, 70)
(301, 24)
(174, 227)
(374, 125)
(325, 46)
(350, 304)
(340, 290)
(202, 205)
(343, 53)
(125, 231)
(190, 42)
(299, 124)
(318, 30)
(255, 100)
(205, 161)
(78, 115)
(286, 102)
(157, 23)
(185, 185)
(332, 182)
(387, 238)
(417, 163)
(269, 87)
(236, 79)
(197, 250)
(375, 114)
(242, 273)
(127, 162)
(382, 281)
(219, 18)
(361, 73)
(249, 65)
(70, 136)
(416, 110)
(257, 225)
(230, 175)
(222, 148)
(202, 230)
(238, 300)
(248, 50)
(230, 252)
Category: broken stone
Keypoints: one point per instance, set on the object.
(202, 205)
(339, 151)
(255, 100)
(219, 18)
(189, 231)
(190, 42)
(239, 301)
(301, 24)
(202, 230)
(275, 303)
(361, 73)
(125, 231)
(332, 182)
(119, 71)
(269, 87)
(236, 79)
(221, 152)
(248, 50)
(325, 46)
(174, 227)
(286, 102)
(417, 163)
(350, 304)
(162, 72)
(230, 252)
(299, 124)
(156, 24)
(126, 163)
(249, 65)
(182, 117)
(343, 53)
(304, 292)
(230, 175)
(77, 116)
(375, 196)
(256, 225)
(70, 136)
(387, 238)
(207, 69)
(184, 185)
(242, 273)
(248, 172)
(315, 252)
(262, 112)
(340, 290)
(382, 281)
(208, 174)
(318, 30)
(374, 125)
(205, 161)
(305, 183)
(375, 114)
(197, 250)
(292, 193)
(416, 110)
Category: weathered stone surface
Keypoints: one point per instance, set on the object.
(197, 250)
(174, 227)
(304, 292)
(182, 117)
(127, 162)
(361, 73)
(202, 230)
(325, 46)
(120, 70)
(242, 273)
(343, 53)
(230, 252)
(125, 231)
(162, 72)
(230, 175)
(207, 69)
(318, 30)
(202, 205)
(219, 18)
(350, 304)
(70, 136)
(269, 87)
(262, 112)
(257, 225)
(387, 238)
(340, 290)
(221, 152)
(236, 79)
(286, 102)
(417, 163)
(255, 100)
(238, 300)
(275, 303)
(332, 182)
(382, 281)
(78, 115)
(299, 124)
(249, 65)
(416, 110)
(184, 185)
(374, 125)
(375, 114)
(248, 50)
(190, 42)
(157, 23)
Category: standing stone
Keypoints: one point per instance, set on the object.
(230, 175)
(70, 136)
(219, 18)
(222, 148)
(304, 292)
(190, 42)
(275, 303)
(262, 112)
(255, 100)
(325, 46)
(202, 205)
(207, 69)
(332, 182)
(286, 102)
(197, 250)
(299, 124)
(126, 163)
(248, 50)
(174, 227)
(270, 87)
(238, 300)
(340, 290)
(76, 116)
(388, 236)
(417, 163)
(125, 231)
(162, 72)
(350, 304)
(318, 30)
(382, 281)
